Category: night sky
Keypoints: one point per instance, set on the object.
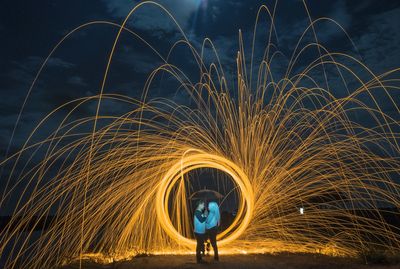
(30, 29)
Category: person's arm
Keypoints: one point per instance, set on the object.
(209, 217)
(200, 216)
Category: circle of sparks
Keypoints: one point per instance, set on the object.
(203, 160)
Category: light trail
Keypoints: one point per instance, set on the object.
(197, 161)
(287, 143)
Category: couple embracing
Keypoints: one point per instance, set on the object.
(206, 222)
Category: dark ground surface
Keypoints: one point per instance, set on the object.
(267, 261)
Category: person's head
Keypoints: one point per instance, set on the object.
(213, 206)
(200, 205)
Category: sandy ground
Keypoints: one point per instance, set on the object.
(280, 261)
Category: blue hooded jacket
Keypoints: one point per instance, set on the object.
(199, 222)
(213, 218)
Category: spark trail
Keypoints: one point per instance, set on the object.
(287, 142)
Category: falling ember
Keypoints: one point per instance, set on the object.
(288, 144)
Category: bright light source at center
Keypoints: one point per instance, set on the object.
(301, 210)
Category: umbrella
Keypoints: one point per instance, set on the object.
(206, 194)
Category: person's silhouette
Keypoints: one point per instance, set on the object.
(212, 223)
(199, 229)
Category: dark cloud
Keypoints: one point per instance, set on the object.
(378, 45)
(76, 70)
(141, 63)
(152, 18)
(77, 81)
(26, 69)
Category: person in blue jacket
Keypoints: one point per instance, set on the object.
(212, 224)
(199, 229)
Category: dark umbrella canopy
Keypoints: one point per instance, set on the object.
(206, 195)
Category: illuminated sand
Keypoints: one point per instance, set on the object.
(281, 261)
(288, 143)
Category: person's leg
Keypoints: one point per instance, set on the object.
(202, 248)
(213, 239)
(200, 242)
(206, 243)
